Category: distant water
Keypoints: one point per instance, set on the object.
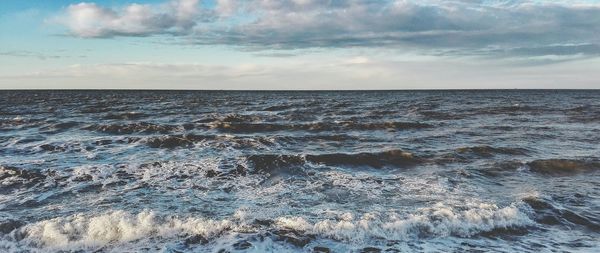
(389, 171)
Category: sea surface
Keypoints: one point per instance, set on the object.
(356, 171)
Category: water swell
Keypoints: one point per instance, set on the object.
(394, 158)
(174, 141)
(126, 116)
(489, 151)
(398, 158)
(240, 125)
(563, 167)
(12, 178)
(141, 127)
(7, 124)
(59, 127)
(243, 127)
(548, 214)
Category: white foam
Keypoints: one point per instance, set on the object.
(85, 232)
(437, 221)
(82, 231)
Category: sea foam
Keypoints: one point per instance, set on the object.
(111, 229)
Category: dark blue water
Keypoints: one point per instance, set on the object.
(386, 171)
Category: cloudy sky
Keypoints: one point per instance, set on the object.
(299, 44)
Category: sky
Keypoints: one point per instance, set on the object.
(299, 44)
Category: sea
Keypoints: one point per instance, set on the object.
(300, 171)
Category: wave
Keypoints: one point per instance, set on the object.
(74, 146)
(189, 140)
(126, 116)
(563, 167)
(500, 168)
(583, 114)
(233, 117)
(174, 141)
(13, 177)
(7, 226)
(87, 232)
(437, 115)
(547, 167)
(397, 158)
(509, 110)
(119, 228)
(439, 220)
(233, 127)
(58, 127)
(489, 151)
(546, 213)
(242, 127)
(19, 123)
(272, 165)
(468, 154)
(377, 160)
(53, 148)
(327, 137)
(7, 172)
(280, 108)
(142, 127)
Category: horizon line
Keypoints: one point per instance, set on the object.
(317, 90)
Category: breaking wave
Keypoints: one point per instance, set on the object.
(115, 228)
(356, 171)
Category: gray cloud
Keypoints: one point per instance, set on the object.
(90, 20)
(464, 27)
(37, 55)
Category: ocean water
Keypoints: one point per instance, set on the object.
(385, 171)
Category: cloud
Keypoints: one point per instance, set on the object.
(37, 55)
(466, 27)
(28, 54)
(360, 72)
(90, 20)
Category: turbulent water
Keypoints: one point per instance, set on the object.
(389, 171)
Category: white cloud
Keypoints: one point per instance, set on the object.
(91, 20)
(463, 26)
(342, 73)
(226, 8)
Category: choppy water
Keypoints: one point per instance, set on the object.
(391, 171)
